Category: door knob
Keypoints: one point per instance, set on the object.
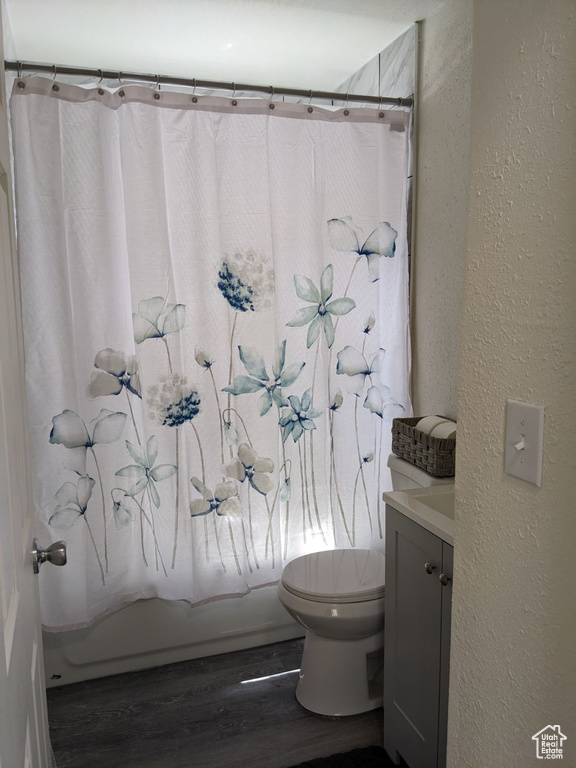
(55, 554)
(444, 579)
(428, 567)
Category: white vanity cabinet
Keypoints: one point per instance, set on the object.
(416, 642)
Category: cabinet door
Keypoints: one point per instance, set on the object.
(447, 563)
(412, 642)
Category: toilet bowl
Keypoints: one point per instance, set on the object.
(338, 596)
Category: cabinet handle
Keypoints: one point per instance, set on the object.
(444, 579)
(428, 567)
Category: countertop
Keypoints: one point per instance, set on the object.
(432, 508)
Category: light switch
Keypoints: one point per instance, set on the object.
(524, 441)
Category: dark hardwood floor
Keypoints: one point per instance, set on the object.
(200, 714)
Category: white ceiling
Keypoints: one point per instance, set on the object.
(294, 43)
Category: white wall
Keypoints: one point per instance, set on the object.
(514, 623)
(7, 36)
(439, 248)
(389, 73)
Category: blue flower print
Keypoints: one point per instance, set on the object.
(319, 314)
(231, 433)
(299, 416)
(381, 242)
(203, 358)
(172, 402)
(72, 503)
(286, 490)
(69, 430)
(223, 500)
(124, 511)
(156, 318)
(238, 295)
(249, 467)
(353, 363)
(259, 381)
(369, 323)
(144, 474)
(380, 401)
(246, 280)
(115, 370)
(337, 400)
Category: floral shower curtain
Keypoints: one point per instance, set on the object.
(216, 331)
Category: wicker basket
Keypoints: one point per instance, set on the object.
(435, 455)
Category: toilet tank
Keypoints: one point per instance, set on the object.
(405, 475)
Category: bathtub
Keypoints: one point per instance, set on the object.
(150, 633)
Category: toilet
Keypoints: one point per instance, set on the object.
(338, 596)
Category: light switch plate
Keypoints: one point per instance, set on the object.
(524, 441)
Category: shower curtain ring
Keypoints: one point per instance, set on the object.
(101, 76)
(233, 90)
(158, 82)
(271, 92)
(19, 73)
(310, 98)
(55, 71)
(193, 86)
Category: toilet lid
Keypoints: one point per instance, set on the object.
(337, 576)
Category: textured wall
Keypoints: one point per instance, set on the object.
(514, 624)
(441, 205)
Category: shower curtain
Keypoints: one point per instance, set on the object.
(215, 303)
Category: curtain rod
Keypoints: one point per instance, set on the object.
(108, 74)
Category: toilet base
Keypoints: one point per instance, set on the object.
(341, 677)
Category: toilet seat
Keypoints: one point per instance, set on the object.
(337, 576)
